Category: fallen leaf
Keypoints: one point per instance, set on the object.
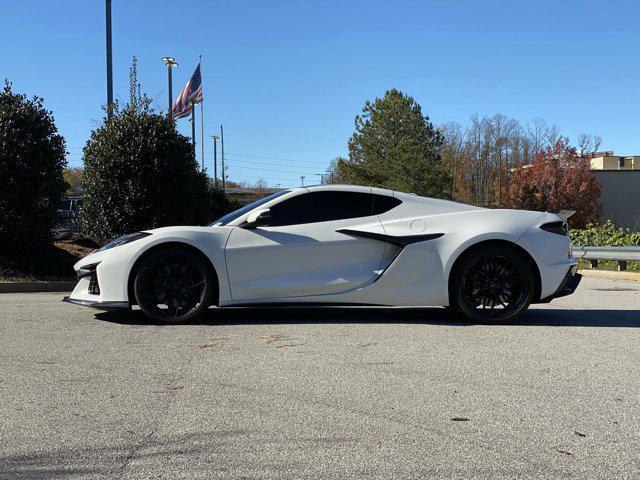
(271, 338)
(218, 344)
(175, 386)
(285, 345)
(579, 434)
(460, 419)
(565, 452)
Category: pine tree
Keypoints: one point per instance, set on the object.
(395, 146)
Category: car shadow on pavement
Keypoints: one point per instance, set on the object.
(547, 317)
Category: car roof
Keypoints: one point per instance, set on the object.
(349, 188)
(436, 205)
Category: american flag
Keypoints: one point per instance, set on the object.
(191, 93)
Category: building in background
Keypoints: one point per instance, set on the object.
(609, 161)
(620, 180)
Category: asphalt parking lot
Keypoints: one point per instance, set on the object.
(322, 393)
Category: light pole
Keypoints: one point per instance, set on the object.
(170, 62)
(302, 178)
(224, 171)
(215, 159)
(109, 60)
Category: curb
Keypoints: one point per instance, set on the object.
(24, 287)
(611, 275)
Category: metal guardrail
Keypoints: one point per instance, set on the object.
(620, 254)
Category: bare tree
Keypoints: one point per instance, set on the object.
(542, 134)
(333, 172)
(588, 144)
(482, 154)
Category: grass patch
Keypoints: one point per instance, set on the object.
(608, 265)
(53, 263)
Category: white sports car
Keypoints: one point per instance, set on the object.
(338, 245)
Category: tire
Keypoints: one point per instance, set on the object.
(492, 284)
(173, 285)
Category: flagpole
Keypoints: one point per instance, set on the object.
(202, 133)
(193, 129)
(201, 116)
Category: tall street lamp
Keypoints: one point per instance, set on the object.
(109, 59)
(170, 62)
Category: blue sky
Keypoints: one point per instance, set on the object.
(286, 78)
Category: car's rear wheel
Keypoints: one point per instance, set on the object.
(173, 285)
(493, 284)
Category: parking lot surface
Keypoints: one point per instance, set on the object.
(322, 393)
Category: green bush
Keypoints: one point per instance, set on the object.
(219, 203)
(607, 234)
(140, 173)
(32, 158)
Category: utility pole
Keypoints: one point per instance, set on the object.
(215, 159)
(109, 61)
(302, 178)
(224, 172)
(170, 62)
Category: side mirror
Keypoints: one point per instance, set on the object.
(259, 218)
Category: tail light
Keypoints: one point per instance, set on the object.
(559, 228)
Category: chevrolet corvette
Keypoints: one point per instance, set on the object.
(338, 245)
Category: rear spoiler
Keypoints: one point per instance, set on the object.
(565, 214)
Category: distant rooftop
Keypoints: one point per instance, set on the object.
(609, 161)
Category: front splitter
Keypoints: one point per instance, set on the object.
(98, 305)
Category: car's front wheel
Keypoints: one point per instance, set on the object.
(173, 285)
(492, 284)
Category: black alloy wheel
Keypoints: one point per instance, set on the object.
(173, 285)
(493, 284)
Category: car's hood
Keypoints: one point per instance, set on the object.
(193, 235)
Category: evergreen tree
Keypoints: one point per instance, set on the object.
(32, 158)
(395, 146)
(140, 173)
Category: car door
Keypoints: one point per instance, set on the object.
(301, 253)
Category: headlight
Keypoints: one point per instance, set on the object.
(131, 237)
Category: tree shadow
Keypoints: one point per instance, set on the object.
(110, 460)
(541, 317)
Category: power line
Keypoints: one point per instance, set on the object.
(257, 162)
(282, 134)
(257, 177)
(272, 170)
(274, 158)
(282, 141)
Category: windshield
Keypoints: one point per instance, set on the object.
(229, 217)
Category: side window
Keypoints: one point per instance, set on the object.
(321, 207)
(383, 203)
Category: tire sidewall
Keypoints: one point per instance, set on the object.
(459, 304)
(159, 255)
